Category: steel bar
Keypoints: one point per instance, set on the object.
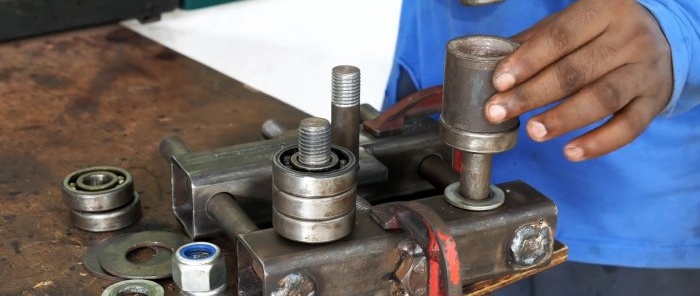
(173, 146)
(272, 129)
(475, 177)
(437, 171)
(222, 207)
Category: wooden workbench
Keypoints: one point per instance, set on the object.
(103, 96)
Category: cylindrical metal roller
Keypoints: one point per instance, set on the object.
(314, 206)
(469, 65)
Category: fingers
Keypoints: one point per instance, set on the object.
(571, 29)
(559, 80)
(605, 96)
(527, 33)
(621, 129)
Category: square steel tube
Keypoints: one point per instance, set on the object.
(364, 262)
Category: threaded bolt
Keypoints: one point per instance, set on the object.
(346, 86)
(314, 141)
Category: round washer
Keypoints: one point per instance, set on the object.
(91, 259)
(138, 287)
(109, 220)
(98, 189)
(495, 199)
(113, 257)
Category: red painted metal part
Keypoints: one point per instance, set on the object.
(432, 233)
(423, 102)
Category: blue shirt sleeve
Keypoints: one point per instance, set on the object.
(680, 22)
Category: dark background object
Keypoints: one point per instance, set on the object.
(24, 18)
(194, 4)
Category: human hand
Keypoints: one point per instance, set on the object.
(607, 57)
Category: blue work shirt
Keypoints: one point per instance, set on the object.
(638, 206)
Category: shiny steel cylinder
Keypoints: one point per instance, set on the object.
(223, 209)
(475, 177)
(469, 66)
(314, 206)
(345, 107)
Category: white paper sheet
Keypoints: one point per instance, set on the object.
(287, 48)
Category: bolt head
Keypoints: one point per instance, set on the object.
(531, 245)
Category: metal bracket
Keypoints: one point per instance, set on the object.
(392, 121)
(433, 235)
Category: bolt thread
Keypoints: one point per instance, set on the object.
(345, 86)
(314, 141)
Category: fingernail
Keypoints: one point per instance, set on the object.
(537, 130)
(574, 153)
(504, 81)
(497, 113)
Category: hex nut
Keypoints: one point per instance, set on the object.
(199, 267)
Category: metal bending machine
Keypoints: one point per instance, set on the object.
(374, 204)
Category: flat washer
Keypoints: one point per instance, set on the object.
(113, 258)
(91, 259)
(138, 287)
(496, 198)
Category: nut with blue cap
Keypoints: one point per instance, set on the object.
(199, 269)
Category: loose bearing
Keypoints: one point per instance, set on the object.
(98, 189)
(114, 261)
(314, 206)
(138, 287)
(109, 220)
(101, 198)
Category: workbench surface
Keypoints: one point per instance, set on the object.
(107, 96)
(103, 96)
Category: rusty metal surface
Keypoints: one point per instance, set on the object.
(561, 252)
(103, 96)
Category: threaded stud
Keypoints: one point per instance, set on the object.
(314, 141)
(345, 86)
